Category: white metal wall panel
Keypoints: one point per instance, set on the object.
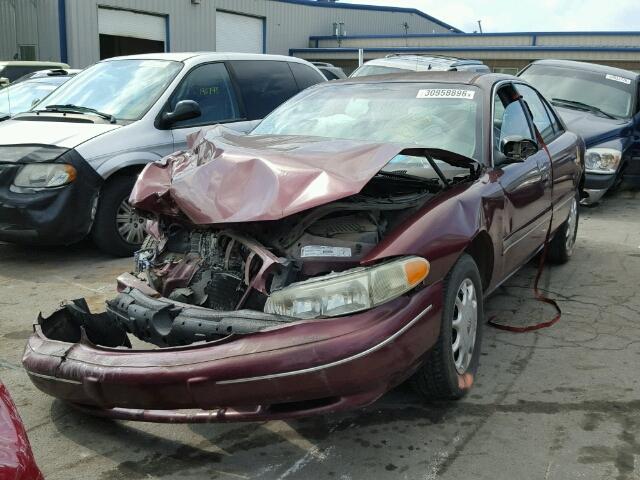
(123, 23)
(239, 33)
(8, 40)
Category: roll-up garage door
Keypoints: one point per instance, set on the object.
(127, 33)
(239, 33)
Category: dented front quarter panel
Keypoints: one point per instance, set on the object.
(16, 458)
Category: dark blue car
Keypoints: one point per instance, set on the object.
(602, 104)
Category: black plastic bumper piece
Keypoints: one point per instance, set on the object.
(56, 216)
(163, 323)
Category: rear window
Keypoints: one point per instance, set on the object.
(264, 84)
(13, 72)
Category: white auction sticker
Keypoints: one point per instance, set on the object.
(616, 78)
(324, 251)
(446, 93)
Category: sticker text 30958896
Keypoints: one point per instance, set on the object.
(446, 93)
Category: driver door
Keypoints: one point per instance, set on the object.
(527, 203)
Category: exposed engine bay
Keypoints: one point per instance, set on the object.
(220, 270)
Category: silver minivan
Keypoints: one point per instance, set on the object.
(67, 167)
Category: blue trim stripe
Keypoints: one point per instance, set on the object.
(374, 8)
(468, 49)
(62, 30)
(167, 44)
(475, 35)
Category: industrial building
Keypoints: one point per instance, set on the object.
(503, 52)
(81, 32)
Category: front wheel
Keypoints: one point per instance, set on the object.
(450, 367)
(564, 241)
(117, 228)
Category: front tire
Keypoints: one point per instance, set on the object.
(563, 243)
(117, 229)
(450, 367)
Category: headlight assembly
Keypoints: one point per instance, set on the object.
(44, 175)
(602, 160)
(349, 291)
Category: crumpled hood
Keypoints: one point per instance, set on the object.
(227, 177)
(59, 134)
(593, 129)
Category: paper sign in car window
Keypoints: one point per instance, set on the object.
(616, 78)
(446, 93)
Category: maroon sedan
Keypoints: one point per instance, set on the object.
(344, 246)
(16, 459)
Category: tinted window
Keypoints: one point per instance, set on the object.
(329, 74)
(538, 112)
(13, 72)
(210, 87)
(264, 84)
(305, 76)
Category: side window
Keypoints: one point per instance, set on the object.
(305, 76)
(555, 123)
(509, 118)
(538, 112)
(210, 86)
(329, 74)
(264, 85)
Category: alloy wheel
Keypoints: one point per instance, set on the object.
(464, 325)
(129, 224)
(570, 238)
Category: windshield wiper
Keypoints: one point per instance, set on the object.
(406, 176)
(70, 108)
(580, 105)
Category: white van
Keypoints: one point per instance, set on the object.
(67, 166)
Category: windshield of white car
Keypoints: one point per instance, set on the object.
(125, 89)
(601, 93)
(24, 95)
(430, 115)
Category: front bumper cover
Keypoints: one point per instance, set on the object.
(305, 367)
(56, 216)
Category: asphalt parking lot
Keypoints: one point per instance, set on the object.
(561, 403)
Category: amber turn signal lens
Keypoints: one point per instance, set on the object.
(416, 270)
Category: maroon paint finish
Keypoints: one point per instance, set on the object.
(330, 364)
(341, 358)
(16, 458)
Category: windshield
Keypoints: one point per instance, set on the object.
(369, 70)
(611, 94)
(125, 89)
(427, 115)
(22, 96)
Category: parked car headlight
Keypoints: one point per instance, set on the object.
(45, 175)
(602, 160)
(349, 291)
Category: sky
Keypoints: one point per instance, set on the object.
(527, 15)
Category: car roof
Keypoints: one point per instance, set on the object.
(19, 63)
(417, 62)
(197, 57)
(591, 67)
(483, 80)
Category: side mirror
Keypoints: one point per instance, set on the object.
(4, 82)
(184, 110)
(517, 149)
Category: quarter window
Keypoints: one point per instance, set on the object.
(305, 76)
(208, 85)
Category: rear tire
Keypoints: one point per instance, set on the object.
(563, 243)
(117, 229)
(450, 367)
